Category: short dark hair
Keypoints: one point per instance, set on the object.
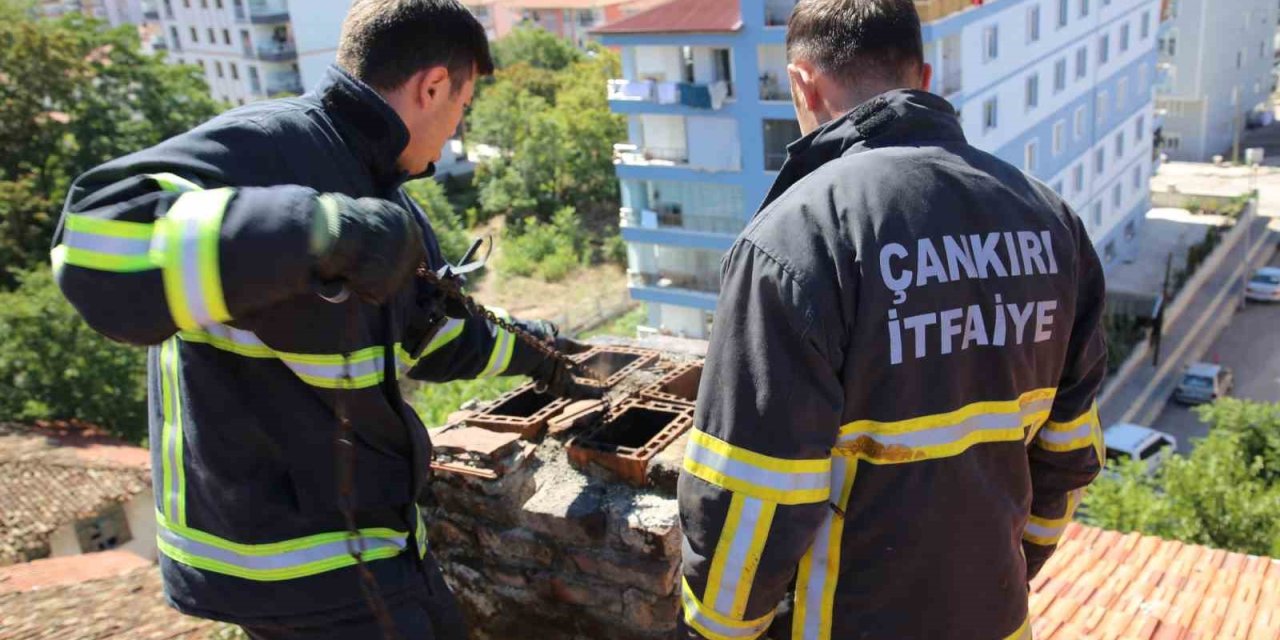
(857, 39)
(385, 42)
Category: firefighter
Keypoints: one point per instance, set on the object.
(896, 419)
(267, 259)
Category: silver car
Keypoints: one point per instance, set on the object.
(1264, 286)
(1203, 382)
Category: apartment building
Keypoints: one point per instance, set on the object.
(115, 12)
(1062, 88)
(1215, 74)
(570, 19)
(245, 47)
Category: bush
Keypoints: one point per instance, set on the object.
(550, 251)
(434, 402)
(53, 366)
(447, 224)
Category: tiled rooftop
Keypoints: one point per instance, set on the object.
(45, 483)
(1107, 585)
(128, 606)
(56, 572)
(700, 16)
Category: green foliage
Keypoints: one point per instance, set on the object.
(53, 366)
(1224, 495)
(624, 325)
(446, 222)
(74, 94)
(434, 402)
(536, 47)
(550, 251)
(1123, 335)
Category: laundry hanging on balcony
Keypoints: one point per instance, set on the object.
(668, 93)
(695, 95)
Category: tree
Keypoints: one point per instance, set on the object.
(536, 47)
(445, 222)
(73, 94)
(1224, 495)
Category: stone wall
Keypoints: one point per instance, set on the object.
(537, 546)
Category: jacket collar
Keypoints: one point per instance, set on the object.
(370, 127)
(895, 118)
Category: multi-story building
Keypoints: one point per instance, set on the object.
(245, 47)
(571, 19)
(115, 12)
(1061, 88)
(1215, 74)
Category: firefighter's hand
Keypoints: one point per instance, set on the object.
(370, 245)
(553, 375)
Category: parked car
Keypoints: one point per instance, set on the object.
(1134, 442)
(1264, 286)
(1203, 382)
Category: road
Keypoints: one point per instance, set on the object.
(1250, 345)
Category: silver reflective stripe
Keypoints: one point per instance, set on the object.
(818, 572)
(693, 611)
(280, 560)
(735, 564)
(1066, 437)
(499, 356)
(753, 474)
(189, 240)
(334, 371)
(169, 371)
(955, 432)
(1052, 533)
(111, 245)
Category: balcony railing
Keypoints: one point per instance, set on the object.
(284, 84)
(688, 222)
(690, 94)
(931, 10)
(646, 155)
(277, 51)
(663, 279)
(772, 88)
(151, 15)
(262, 12)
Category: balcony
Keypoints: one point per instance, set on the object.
(665, 279)
(283, 84)
(647, 156)
(775, 85)
(777, 12)
(277, 52)
(262, 12)
(669, 217)
(690, 94)
(151, 15)
(931, 10)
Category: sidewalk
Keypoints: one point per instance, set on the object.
(1140, 397)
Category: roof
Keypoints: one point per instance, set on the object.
(1127, 437)
(44, 486)
(681, 16)
(1104, 584)
(546, 4)
(65, 570)
(126, 606)
(1204, 369)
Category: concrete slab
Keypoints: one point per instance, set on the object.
(1166, 232)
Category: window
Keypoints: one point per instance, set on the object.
(1077, 177)
(1101, 114)
(777, 135)
(226, 37)
(1060, 75)
(1104, 48)
(1082, 63)
(218, 4)
(1117, 192)
(177, 42)
(1059, 136)
(195, 35)
(1124, 37)
(1137, 178)
(1140, 129)
(240, 101)
(1099, 161)
(1122, 92)
(1144, 31)
(1119, 145)
(1029, 156)
(213, 36)
(200, 63)
(1239, 59)
(235, 71)
(204, 4)
(990, 115)
(1057, 187)
(217, 68)
(1097, 214)
(1033, 23)
(990, 43)
(1064, 8)
(1078, 129)
(1109, 252)
(1033, 91)
(1169, 44)
(1084, 8)
(107, 531)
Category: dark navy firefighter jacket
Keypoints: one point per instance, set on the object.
(897, 412)
(198, 248)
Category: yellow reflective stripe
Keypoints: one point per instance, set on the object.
(714, 626)
(500, 355)
(1079, 433)
(945, 434)
(187, 252)
(322, 370)
(104, 245)
(1023, 632)
(107, 227)
(820, 566)
(452, 329)
(420, 534)
(779, 480)
(173, 474)
(173, 183)
(64, 255)
(1047, 532)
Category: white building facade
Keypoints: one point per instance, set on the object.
(245, 47)
(1215, 74)
(115, 12)
(1061, 88)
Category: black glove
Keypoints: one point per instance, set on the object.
(555, 377)
(370, 245)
